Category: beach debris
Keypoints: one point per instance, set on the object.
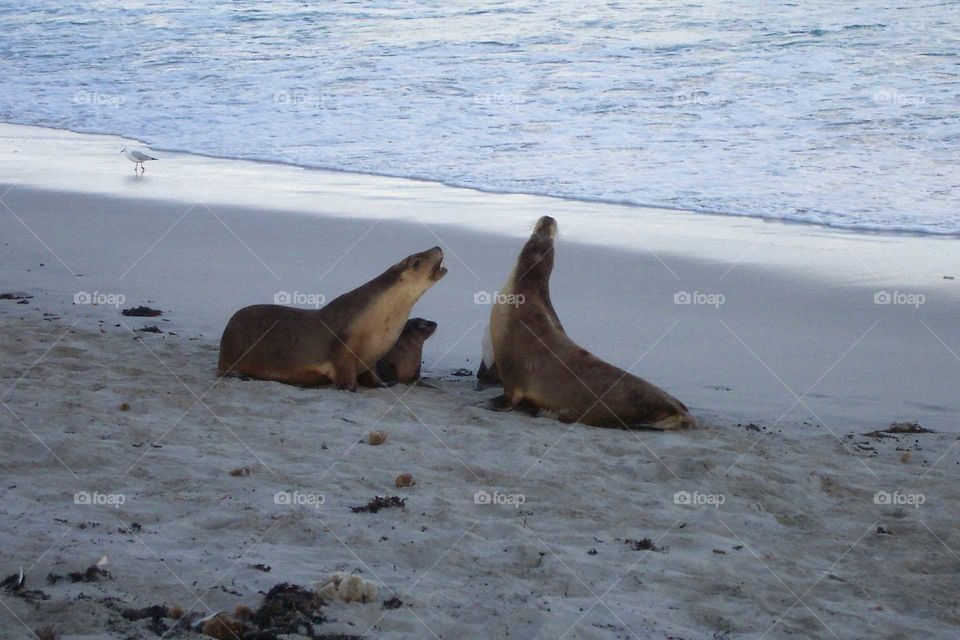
(175, 612)
(125, 406)
(241, 471)
(376, 438)
(287, 608)
(155, 613)
(905, 457)
(16, 295)
(899, 428)
(142, 312)
(404, 480)
(16, 585)
(261, 567)
(93, 573)
(381, 502)
(151, 329)
(223, 627)
(393, 603)
(949, 278)
(46, 632)
(882, 531)
(348, 588)
(462, 373)
(646, 544)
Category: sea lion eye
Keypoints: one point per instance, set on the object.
(416, 264)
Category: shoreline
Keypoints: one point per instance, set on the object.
(782, 219)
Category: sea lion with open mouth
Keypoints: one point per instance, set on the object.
(338, 343)
(541, 366)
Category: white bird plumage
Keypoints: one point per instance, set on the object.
(137, 158)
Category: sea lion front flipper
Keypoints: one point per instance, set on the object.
(370, 380)
(345, 368)
(503, 403)
(500, 403)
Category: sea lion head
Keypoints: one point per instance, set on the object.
(421, 326)
(536, 259)
(424, 268)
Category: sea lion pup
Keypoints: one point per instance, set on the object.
(402, 362)
(340, 342)
(541, 366)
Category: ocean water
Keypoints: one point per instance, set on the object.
(845, 114)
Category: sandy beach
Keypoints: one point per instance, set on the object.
(777, 517)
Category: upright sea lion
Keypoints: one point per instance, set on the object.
(541, 366)
(402, 362)
(487, 374)
(338, 343)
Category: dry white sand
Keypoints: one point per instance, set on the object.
(798, 547)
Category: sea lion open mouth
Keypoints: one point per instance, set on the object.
(439, 271)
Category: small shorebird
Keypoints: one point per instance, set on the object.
(138, 158)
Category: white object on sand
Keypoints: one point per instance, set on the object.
(136, 157)
(346, 587)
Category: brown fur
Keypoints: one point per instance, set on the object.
(402, 362)
(540, 365)
(336, 344)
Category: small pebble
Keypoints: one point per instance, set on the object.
(404, 480)
(377, 438)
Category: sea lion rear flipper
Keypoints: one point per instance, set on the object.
(370, 380)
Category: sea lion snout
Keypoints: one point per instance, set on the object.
(546, 226)
(438, 269)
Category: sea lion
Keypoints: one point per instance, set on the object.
(487, 374)
(541, 366)
(402, 362)
(338, 343)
